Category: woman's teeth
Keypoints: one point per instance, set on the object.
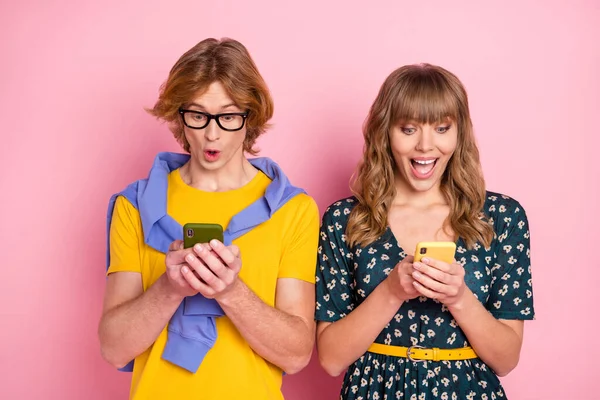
(423, 167)
(424, 162)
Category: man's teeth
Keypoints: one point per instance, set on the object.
(424, 162)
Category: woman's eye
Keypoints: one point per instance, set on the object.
(408, 131)
(443, 129)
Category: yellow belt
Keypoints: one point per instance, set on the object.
(419, 353)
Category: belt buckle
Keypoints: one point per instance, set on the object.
(409, 350)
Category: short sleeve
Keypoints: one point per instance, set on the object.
(125, 238)
(511, 295)
(300, 249)
(334, 278)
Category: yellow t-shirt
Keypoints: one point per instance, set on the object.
(285, 246)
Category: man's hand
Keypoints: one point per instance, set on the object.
(176, 266)
(212, 269)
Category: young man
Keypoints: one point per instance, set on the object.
(220, 320)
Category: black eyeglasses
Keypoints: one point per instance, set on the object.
(230, 122)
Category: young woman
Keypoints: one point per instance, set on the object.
(431, 329)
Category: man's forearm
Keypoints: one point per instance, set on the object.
(129, 329)
(282, 339)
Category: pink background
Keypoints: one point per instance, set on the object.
(74, 79)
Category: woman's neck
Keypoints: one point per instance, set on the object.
(407, 196)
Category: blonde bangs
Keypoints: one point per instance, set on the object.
(424, 98)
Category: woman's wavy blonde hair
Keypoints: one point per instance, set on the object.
(226, 61)
(426, 94)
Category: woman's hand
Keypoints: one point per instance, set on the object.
(439, 280)
(400, 280)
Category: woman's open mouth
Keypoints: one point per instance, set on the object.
(423, 168)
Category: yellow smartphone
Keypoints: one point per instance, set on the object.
(201, 233)
(443, 251)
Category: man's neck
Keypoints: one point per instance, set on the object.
(231, 176)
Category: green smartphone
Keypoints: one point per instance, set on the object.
(201, 233)
(443, 251)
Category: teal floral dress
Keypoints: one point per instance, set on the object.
(499, 276)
